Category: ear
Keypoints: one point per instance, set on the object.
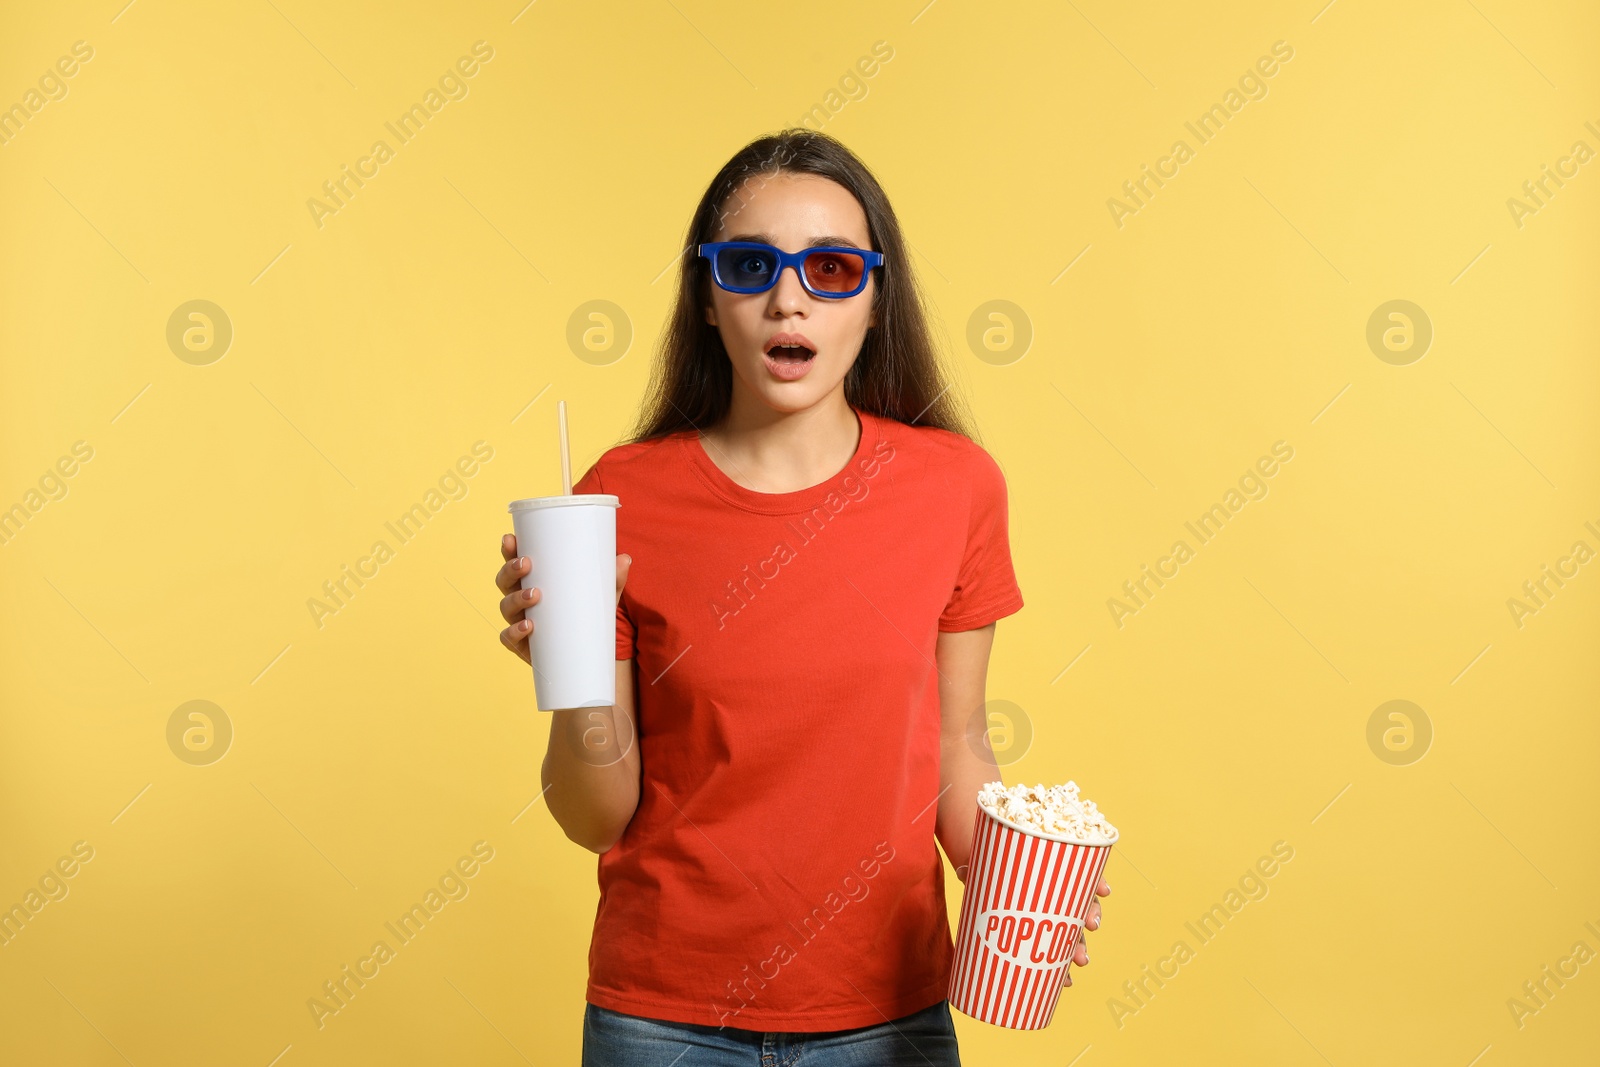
(711, 315)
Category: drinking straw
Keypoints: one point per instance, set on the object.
(566, 461)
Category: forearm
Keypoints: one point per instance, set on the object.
(590, 774)
(962, 772)
(966, 762)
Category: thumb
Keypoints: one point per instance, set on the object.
(624, 565)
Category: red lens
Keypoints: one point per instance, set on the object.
(834, 272)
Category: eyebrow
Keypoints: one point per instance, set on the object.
(815, 242)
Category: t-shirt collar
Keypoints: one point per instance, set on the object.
(779, 503)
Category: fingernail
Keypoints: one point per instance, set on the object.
(527, 594)
(522, 561)
(524, 625)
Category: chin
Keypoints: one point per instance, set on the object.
(790, 397)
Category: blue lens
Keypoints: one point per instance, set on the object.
(746, 268)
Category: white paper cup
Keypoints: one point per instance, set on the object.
(571, 545)
(1026, 898)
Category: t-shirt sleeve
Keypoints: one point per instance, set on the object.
(986, 585)
(590, 483)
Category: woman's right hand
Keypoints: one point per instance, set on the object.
(508, 579)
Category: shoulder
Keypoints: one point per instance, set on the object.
(960, 459)
(630, 461)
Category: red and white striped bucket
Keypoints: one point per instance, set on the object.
(1023, 908)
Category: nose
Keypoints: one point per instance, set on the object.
(788, 295)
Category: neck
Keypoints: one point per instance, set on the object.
(773, 451)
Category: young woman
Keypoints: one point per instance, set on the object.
(821, 558)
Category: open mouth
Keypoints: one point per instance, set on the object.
(789, 346)
(789, 355)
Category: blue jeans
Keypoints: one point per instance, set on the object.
(926, 1038)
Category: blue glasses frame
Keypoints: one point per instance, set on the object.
(789, 259)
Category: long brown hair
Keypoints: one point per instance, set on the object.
(897, 375)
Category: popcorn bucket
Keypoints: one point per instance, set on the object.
(1022, 910)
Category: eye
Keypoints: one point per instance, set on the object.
(753, 264)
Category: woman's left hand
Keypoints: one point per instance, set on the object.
(1080, 953)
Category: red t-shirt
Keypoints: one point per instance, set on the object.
(781, 871)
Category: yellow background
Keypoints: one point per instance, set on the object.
(369, 354)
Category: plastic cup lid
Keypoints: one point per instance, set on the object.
(602, 500)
